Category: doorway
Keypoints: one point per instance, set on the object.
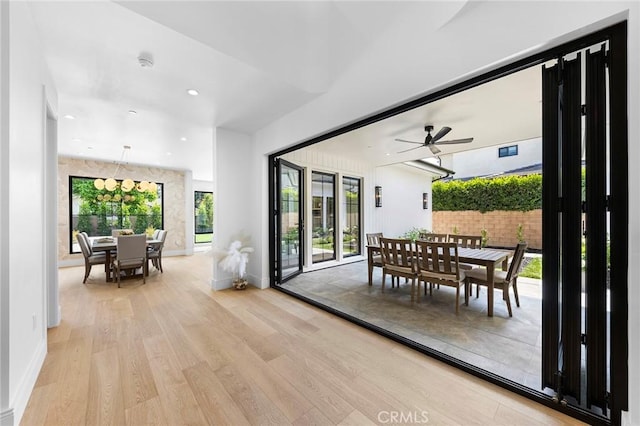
(582, 360)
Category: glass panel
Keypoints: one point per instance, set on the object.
(350, 216)
(323, 216)
(203, 212)
(98, 211)
(290, 220)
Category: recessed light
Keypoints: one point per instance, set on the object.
(192, 92)
(388, 153)
(168, 153)
(183, 139)
(76, 140)
(133, 112)
(70, 117)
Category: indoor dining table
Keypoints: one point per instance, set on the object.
(109, 246)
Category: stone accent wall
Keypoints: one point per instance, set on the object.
(501, 226)
(174, 197)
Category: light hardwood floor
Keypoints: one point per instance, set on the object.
(173, 352)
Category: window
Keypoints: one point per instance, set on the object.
(97, 212)
(508, 151)
(350, 216)
(203, 212)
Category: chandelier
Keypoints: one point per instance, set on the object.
(127, 185)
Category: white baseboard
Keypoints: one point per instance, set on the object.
(6, 418)
(25, 387)
(224, 283)
(221, 284)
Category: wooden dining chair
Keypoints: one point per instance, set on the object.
(467, 241)
(132, 254)
(428, 236)
(90, 258)
(398, 260)
(502, 280)
(437, 263)
(374, 257)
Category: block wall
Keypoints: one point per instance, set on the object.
(501, 226)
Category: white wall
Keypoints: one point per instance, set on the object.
(6, 409)
(402, 188)
(202, 185)
(233, 210)
(24, 273)
(481, 37)
(485, 161)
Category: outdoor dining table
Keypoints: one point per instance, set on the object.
(110, 245)
(488, 258)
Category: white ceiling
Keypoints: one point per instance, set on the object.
(252, 63)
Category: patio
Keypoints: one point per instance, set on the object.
(509, 347)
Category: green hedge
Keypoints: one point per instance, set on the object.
(511, 193)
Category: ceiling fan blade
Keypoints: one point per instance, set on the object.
(404, 140)
(441, 134)
(454, 141)
(411, 149)
(434, 149)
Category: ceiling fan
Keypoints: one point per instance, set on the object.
(431, 141)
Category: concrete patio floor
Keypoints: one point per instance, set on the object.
(508, 347)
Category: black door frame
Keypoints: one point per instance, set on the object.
(616, 35)
(277, 214)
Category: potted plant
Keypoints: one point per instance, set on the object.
(235, 261)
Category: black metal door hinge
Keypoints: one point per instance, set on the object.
(583, 339)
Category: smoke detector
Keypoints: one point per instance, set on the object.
(145, 60)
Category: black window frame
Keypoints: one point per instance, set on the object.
(195, 217)
(161, 190)
(508, 151)
(359, 224)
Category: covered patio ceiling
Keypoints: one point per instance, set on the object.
(506, 110)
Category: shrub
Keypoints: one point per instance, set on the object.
(511, 193)
(413, 233)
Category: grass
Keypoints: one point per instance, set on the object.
(204, 238)
(533, 269)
